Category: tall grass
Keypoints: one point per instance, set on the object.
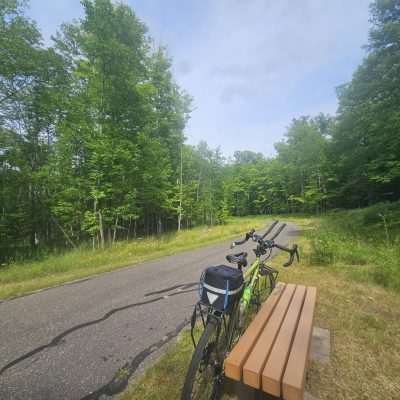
(367, 239)
(20, 278)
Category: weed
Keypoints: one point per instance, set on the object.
(368, 239)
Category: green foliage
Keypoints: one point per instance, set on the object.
(90, 131)
(30, 80)
(368, 239)
(92, 145)
(297, 180)
(367, 141)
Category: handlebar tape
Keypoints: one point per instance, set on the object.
(269, 229)
(280, 247)
(281, 228)
(293, 252)
(248, 236)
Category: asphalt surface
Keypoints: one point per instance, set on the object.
(69, 342)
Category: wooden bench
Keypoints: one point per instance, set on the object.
(272, 353)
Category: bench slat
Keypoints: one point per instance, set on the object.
(234, 362)
(294, 378)
(255, 363)
(275, 365)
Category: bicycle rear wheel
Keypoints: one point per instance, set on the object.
(204, 376)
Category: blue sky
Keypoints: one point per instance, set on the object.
(250, 65)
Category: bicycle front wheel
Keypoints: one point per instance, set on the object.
(204, 375)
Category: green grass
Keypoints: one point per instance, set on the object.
(367, 240)
(165, 379)
(364, 320)
(362, 315)
(21, 278)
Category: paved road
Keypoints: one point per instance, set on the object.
(68, 342)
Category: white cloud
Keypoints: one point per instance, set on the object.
(251, 65)
(257, 64)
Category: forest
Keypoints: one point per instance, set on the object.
(93, 148)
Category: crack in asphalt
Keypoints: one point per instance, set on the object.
(58, 339)
(120, 380)
(182, 286)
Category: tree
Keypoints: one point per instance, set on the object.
(303, 155)
(31, 78)
(123, 105)
(367, 139)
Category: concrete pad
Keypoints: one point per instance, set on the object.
(320, 345)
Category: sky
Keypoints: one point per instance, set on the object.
(251, 66)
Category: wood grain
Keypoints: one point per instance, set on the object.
(238, 356)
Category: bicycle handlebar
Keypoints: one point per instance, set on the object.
(258, 238)
(247, 237)
(281, 228)
(268, 231)
(294, 251)
(251, 234)
(263, 245)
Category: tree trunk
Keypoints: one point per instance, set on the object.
(69, 240)
(198, 187)
(129, 228)
(101, 230)
(180, 195)
(159, 225)
(109, 236)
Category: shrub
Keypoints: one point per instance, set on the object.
(364, 237)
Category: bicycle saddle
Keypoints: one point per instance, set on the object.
(239, 259)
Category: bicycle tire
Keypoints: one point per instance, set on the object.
(197, 361)
(234, 329)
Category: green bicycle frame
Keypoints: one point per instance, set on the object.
(251, 275)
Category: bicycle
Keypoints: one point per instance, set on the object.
(223, 311)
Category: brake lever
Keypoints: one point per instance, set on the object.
(240, 242)
(293, 252)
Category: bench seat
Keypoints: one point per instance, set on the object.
(272, 353)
